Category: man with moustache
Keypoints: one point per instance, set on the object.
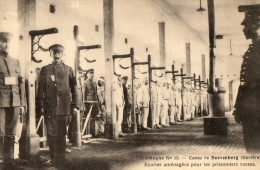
(12, 100)
(57, 97)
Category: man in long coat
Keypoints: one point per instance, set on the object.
(57, 97)
(247, 107)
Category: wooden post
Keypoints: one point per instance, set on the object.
(111, 130)
(76, 131)
(216, 123)
(150, 89)
(26, 13)
(182, 88)
(134, 123)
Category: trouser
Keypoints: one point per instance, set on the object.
(138, 117)
(155, 112)
(188, 111)
(145, 116)
(178, 110)
(17, 138)
(56, 134)
(164, 112)
(172, 113)
(126, 113)
(94, 111)
(185, 117)
(120, 112)
(193, 111)
(251, 134)
(9, 118)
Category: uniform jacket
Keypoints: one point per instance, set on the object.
(57, 89)
(247, 101)
(172, 97)
(90, 90)
(143, 96)
(11, 95)
(154, 93)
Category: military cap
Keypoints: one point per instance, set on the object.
(5, 36)
(252, 14)
(90, 71)
(56, 47)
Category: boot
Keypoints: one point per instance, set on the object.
(60, 151)
(52, 150)
(9, 152)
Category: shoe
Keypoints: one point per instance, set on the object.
(173, 123)
(146, 128)
(122, 134)
(48, 163)
(165, 125)
(157, 126)
(68, 150)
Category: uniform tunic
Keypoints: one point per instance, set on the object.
(57, 89)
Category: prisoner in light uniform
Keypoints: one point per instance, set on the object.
(197, 102)
(165, 104)
(172, 105)
(144, 100)
(120, 103)
(185, 104)
(193, 104)
(154, 104)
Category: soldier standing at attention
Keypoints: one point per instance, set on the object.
(247, 107)
(57, 95)
(12, 100)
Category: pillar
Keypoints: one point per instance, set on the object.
(111, 130)
(27, 20)
(216, 123)
(203, 67)
(188, 60)
(162, 43)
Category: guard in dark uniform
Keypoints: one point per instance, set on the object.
(247, 107)
(90, 92)
(58, 97)
(12, 100)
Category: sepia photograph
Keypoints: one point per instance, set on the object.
(129, 84)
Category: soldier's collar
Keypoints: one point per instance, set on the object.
(58, 63)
